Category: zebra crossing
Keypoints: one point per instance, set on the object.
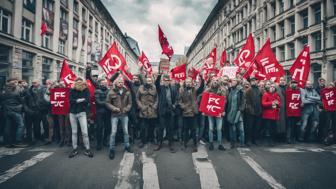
(143, 170)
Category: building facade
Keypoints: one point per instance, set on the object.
(290, 24)
(80, 31)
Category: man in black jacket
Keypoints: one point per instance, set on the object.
(167, 102)
(32, 113)
(11, 100)
(103, 117)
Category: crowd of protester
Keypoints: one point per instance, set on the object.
(152, 109)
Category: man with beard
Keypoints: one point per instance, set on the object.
(188, 103)
(310, 99)
(253, 112)
(119, 102)
(147, 101)
(102, 112)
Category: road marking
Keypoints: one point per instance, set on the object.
(285, 150)
(9, 151)
(125, 171)
(149, 173)
(24, 165)
(260, 171)
(205, 169)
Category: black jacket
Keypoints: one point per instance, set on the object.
(75, 94)
(11, 100)
(31, 101)
(100, 99)
(163, 106)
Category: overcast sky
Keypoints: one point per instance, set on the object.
(180, 20)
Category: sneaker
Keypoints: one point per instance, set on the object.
(141, 145)
(202, 142)
(211, 147)
(157, 148)
(128, 149)
(111, 155)
(88, 153)
(73, 153)
(221, 148)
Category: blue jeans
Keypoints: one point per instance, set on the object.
(16, 119)
(219, 123)
(82, 119)
(200, 128)
(233, 133)
(124, 124)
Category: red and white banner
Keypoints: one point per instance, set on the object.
(66, 75)
(193, 73)
(246, 55)
(301, 67)
(293, 103)
(166, 48)
(328, 96)
(223, 59)
(229, 71)
(59, 99)
(179, 73)
(266, 64)
(144, 62)
(112, 61)
(210, 62)
(212, 104)
(44, 28)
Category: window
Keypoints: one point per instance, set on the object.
(27, 30)
(282, 30)
(64, 2)
(304, 16)
(282, 53)
(48, 4)
(27, 66)
(317, 41)
(292, 25)
(46, 68)
(291, 3)
(273, 33)
(281, 6)
(63, 15)
(46, 41)
(83, 14)
(61, 47)
(75, 6)
(29, 5)
(75, 24)
(304, 40)
(273, 7)
(317, 13)
(317, 70)
(5, 21)
(291, 47)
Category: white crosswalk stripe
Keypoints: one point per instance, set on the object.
(9, 151)
(205, 169)
(259, 170)
(24, 165)
(149, 172)
(125, 171)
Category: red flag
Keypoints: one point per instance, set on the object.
(293, 103)
(59, 99)
(143, 61)
(210, 62)
(128, 74)
(212, 104)
(193, 73)
(179, 72)
(67, 75)
(265, 64)
(44, 28)
(301, 67)
(246, 55)
(112, 61)
(166, 48)
(328, 96)
(92, 99)
(223, 59)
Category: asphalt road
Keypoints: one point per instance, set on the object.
(283, 166)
